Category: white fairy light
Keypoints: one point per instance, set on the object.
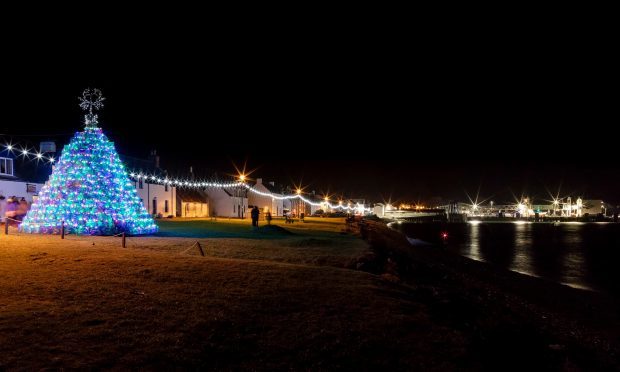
(240, 182)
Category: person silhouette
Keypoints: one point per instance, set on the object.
(255, 212)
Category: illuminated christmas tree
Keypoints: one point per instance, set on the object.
(89, 189)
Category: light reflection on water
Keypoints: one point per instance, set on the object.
(582, 255)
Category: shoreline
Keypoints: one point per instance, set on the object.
(588, 321)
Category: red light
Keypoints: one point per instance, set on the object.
(444, 235)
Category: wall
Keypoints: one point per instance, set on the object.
(18, 188)
(224, 205)
(265, 203)
(151, 191)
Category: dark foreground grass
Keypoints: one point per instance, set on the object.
(81, 306)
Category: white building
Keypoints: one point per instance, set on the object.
(158, 199)
(20, 189)
(12, 185)
(266, 203)
(228, 202)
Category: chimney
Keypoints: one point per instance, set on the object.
(259, 181)
(47, 146)
(154, 158)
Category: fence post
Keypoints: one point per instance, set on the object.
(62, 230)
(124, 240)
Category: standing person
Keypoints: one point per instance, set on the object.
(2, 208)
(268, 218)
(255, 213)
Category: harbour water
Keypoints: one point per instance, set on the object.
(581, 255)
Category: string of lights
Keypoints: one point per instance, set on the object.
(26, 153)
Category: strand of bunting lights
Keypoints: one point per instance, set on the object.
(26, 153)
(180, 183)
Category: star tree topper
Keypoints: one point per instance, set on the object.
(91, 99)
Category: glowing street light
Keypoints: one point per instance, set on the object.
(242, 177)
(298, 191)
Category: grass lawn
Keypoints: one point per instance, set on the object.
(258, 300)
(233, 228)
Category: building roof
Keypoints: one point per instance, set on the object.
(274, 189)
(192, 195)
(145, 166)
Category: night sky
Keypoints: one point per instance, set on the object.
(365, 119)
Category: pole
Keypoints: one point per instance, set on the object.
(62, 230)
(6, 226)
(124, 241)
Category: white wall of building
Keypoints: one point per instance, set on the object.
(157, 195)
(266, 203)
(226, 204)
(20, 189)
